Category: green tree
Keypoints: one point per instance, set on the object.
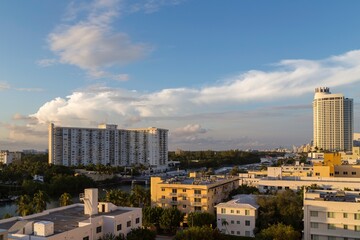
(199, 219)
(278, 231)
(171, 219)
(151, 216)
(225, 223)
(234, 171)
(199, 233)
(65, 199)
(24, 205)
(141, 233)
(118, 197)
(111, 236)
(39, 201)
(139, 196)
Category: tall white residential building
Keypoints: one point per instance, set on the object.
(331, 215)
(108, 145)
(333, 121)
(237, 217)
(89, 221)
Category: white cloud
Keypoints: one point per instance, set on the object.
(91, 43)
(150, 6)
(190, 129)
(4, 86)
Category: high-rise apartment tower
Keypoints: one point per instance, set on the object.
(108, 145)
(333, 121)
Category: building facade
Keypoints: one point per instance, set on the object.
(331, 215)
(237, 217)
(191, 194)
(89, 221)
(108, 145)
(333, 121)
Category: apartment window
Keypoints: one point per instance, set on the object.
(314, 225)
(247, 212)
(232, 232)
(317, 174)
(231, 211)
(86, 238)
(174, 199)
(336, 172)
(184, 206)
(196, 191)
(345, 215)
(137, 220)
(162, 197)
(197, 200)
(183, 198)
(128, 223)
(197, 209)
(279, 187)
(237, 211)
(330, 214)
(174, 190)
(331, 238)
(331, 226)
(345, 173)
(237, 222)
(247, 223)
(238, 232)
(223, 210)
(357, 228)
(162, 189)
(232, 221)
(357, 216)
(118, 227)
(98, 229)
(314, 237)
(345, 226)
(353, 173)
(313, 213)
(184, 190)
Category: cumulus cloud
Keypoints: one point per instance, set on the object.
(91, 43)
(4, 86)
(189, 130)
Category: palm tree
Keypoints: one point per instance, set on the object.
(118, 197)
(225, 224)
(65, 199)
(39, 201)
(24, 205)
(140, 197)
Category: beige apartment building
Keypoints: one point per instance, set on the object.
(190, 194)
(238, 216)
(333, 215)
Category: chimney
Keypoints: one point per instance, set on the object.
(90, 199)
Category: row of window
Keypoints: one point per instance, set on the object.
(175, 190)
(247, 222)
(333, 226)
(332, 215)
(246, 213)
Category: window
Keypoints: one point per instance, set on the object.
(313, 213)
(174, 190)
(247, 223)
(247, 233)
(331, 238)
(317, 174)
(162, 189)
(247, 212)
(336, 172)
(357, 228)
(279, 187)
(345, 226)
(98, 229)
(314, 237)
(197, 200)
(237, 222)
(184, 190)
(238, 232)
(345, 173)
(331, 226)
(237, 211)
(314, 225)
(196, 191)
(137, 220)
(183, 198)
(223, 210)
(174, 199)
(232, 221)
(330, 214)
(345, 215)
(162, 197)
(357, 216)
(118, 227)
(197, 209)
(184, 206)
(232, 232)
(163, 205)
(128, 223)
(231, 211)
(353, 173)
(86, 238)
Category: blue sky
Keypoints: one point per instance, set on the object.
(218, 74)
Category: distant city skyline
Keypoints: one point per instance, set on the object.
(234, 75)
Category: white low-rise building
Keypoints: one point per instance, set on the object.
(88, 221)
(237, 217)
(331, 215)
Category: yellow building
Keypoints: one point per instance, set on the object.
(332, 159)
(192, 194)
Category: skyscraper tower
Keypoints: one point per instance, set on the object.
(333, 120)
